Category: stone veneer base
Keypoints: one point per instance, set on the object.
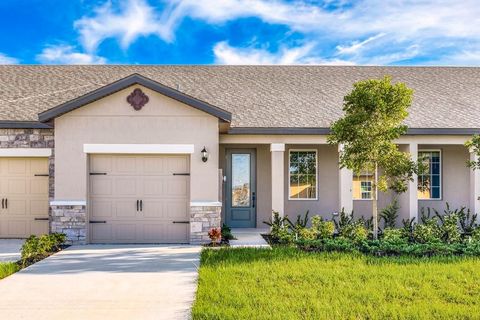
(70, 220)
(202, 219)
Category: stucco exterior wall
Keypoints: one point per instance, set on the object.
(112, 120)
(328, 175)
(264, 179)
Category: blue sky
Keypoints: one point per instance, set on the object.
(423, 32)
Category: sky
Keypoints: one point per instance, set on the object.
(375, 32)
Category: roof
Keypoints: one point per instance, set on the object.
(125, 83)
(260, 97)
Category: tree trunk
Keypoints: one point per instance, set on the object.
(375, 206)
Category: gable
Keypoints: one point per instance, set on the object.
(125, 83)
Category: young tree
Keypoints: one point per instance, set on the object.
(374, 113)
(474, 146)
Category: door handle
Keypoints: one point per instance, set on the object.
(6, 203)
(141, 205)
(137, 204)
(253, 199)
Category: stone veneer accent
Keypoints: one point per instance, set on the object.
(202, 219)
(71, 220)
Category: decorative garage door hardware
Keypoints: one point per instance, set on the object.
(139, 205)
(98, 173)
(181, 221)
(4, 203)
(181, 174)
(137, 99)
(41, 175)
(98, 221)
(41, 219)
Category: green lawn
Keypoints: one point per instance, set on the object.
(7, 268)
(285, 283)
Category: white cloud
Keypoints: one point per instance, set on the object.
(225, 54)
(65, 54)
(357, 46)
(391, 28)
(4, 59)
(133, 19)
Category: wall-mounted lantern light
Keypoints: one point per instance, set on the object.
(204, 154)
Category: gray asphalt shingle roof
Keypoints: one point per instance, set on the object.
(257, 96)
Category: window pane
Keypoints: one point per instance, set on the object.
(240, 180)
(429, 182)
(302, 171)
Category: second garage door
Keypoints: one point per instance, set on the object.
(139, 199)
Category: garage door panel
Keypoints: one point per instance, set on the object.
(177, 164)
(177, 233)
(39, 227)
(125, 186)
(16, 167)
(39, 208)
(100, 186)
(39, 186)
(125, 209)
(148, 178)
(101, 208)
(27, 196)
(16, 186)
(126, 232)
(17, 207)
(100, 232)
(176, 187)
(153, 186)
(177, 210)
(126, 165)
(38, 166)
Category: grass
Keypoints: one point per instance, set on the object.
(286, 283)
(8, 268)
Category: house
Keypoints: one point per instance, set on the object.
(161, 154)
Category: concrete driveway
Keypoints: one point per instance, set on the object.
(10, 249)
(105, 282)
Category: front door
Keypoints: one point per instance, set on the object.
(241, 188)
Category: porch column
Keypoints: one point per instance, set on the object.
(345, 186)
(278, 181)
(413, 185)
(474, 186)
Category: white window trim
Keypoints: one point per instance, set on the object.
(25, 152)
(441, 174)
(316, 174)
(139, 148)
(376, 191)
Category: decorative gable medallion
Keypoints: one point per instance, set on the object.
(137, 99)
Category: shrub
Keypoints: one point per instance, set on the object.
(215, 235)
(475, 237)
(325, 229)
(468, 221)
(37, 248)
(394, 236)
(355, 232)
(299, 225)
(428, 231)
(449, 231)
(408, 227)
(390, 214)
(227, 233)
(276, 224)
(345, 220)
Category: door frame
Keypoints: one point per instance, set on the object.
(253, 183)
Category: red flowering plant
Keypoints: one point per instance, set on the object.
(215, 235)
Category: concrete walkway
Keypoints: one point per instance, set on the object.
(10, 249)
(249, 237)
(105, 282)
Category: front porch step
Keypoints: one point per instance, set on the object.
(249, 238)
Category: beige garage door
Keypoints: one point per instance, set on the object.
(139, 199)
(23, 197)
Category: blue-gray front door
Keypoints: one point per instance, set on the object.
(241, 188)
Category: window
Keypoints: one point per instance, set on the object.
(362, 186)
(429, 182)
(241, 180)
(303, 174)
